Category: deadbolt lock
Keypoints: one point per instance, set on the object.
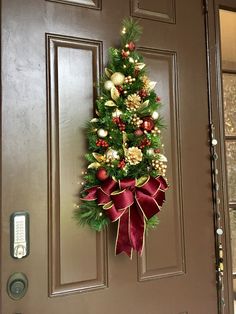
(17, 286)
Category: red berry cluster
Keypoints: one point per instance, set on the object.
(145, 142)
(120, 124)
(158, 99)
(121, 164)
(142, 93)
(120, 88)
(102, 143)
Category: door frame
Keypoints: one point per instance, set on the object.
(215, 96)
(1, 207)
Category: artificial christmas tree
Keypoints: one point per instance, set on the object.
(125, 181)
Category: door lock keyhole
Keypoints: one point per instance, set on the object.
(17, 286)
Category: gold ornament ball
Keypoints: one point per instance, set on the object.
(117, 78)
(108, 85)
(102, 133)
(155, 115)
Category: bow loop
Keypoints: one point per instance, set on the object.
(122, 199)
(150, 186)
(127, 184)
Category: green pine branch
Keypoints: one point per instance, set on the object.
(131, 31)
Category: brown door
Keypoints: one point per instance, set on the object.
(52, 55)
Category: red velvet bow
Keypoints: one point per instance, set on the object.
(131, 204)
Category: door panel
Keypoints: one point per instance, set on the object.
(155, 10)
(163, 70)
(73, 65)
(48, 92)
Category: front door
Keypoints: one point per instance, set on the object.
(53, 53)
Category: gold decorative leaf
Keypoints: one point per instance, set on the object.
(114, 93)
(125, 138)
(94, 120)
(144, 104)
(140, 181)
(152, 85)
(98, 157)
(108, 72)
(140, 65)
(94, 165)
(110, 103)
(162, 157)
(131, 60)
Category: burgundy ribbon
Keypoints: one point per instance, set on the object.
(131, 205)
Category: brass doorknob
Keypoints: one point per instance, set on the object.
(17, 286)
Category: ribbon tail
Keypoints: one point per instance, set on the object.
(137, 229)
(122, 239)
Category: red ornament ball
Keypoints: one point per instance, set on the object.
(102, 174)
(148, 124)
(131, 46)
(138, 132)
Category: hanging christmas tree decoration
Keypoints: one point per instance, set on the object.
(125, 179)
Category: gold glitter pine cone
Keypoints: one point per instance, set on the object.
(134, 155)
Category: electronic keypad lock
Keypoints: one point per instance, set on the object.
(19, 230)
